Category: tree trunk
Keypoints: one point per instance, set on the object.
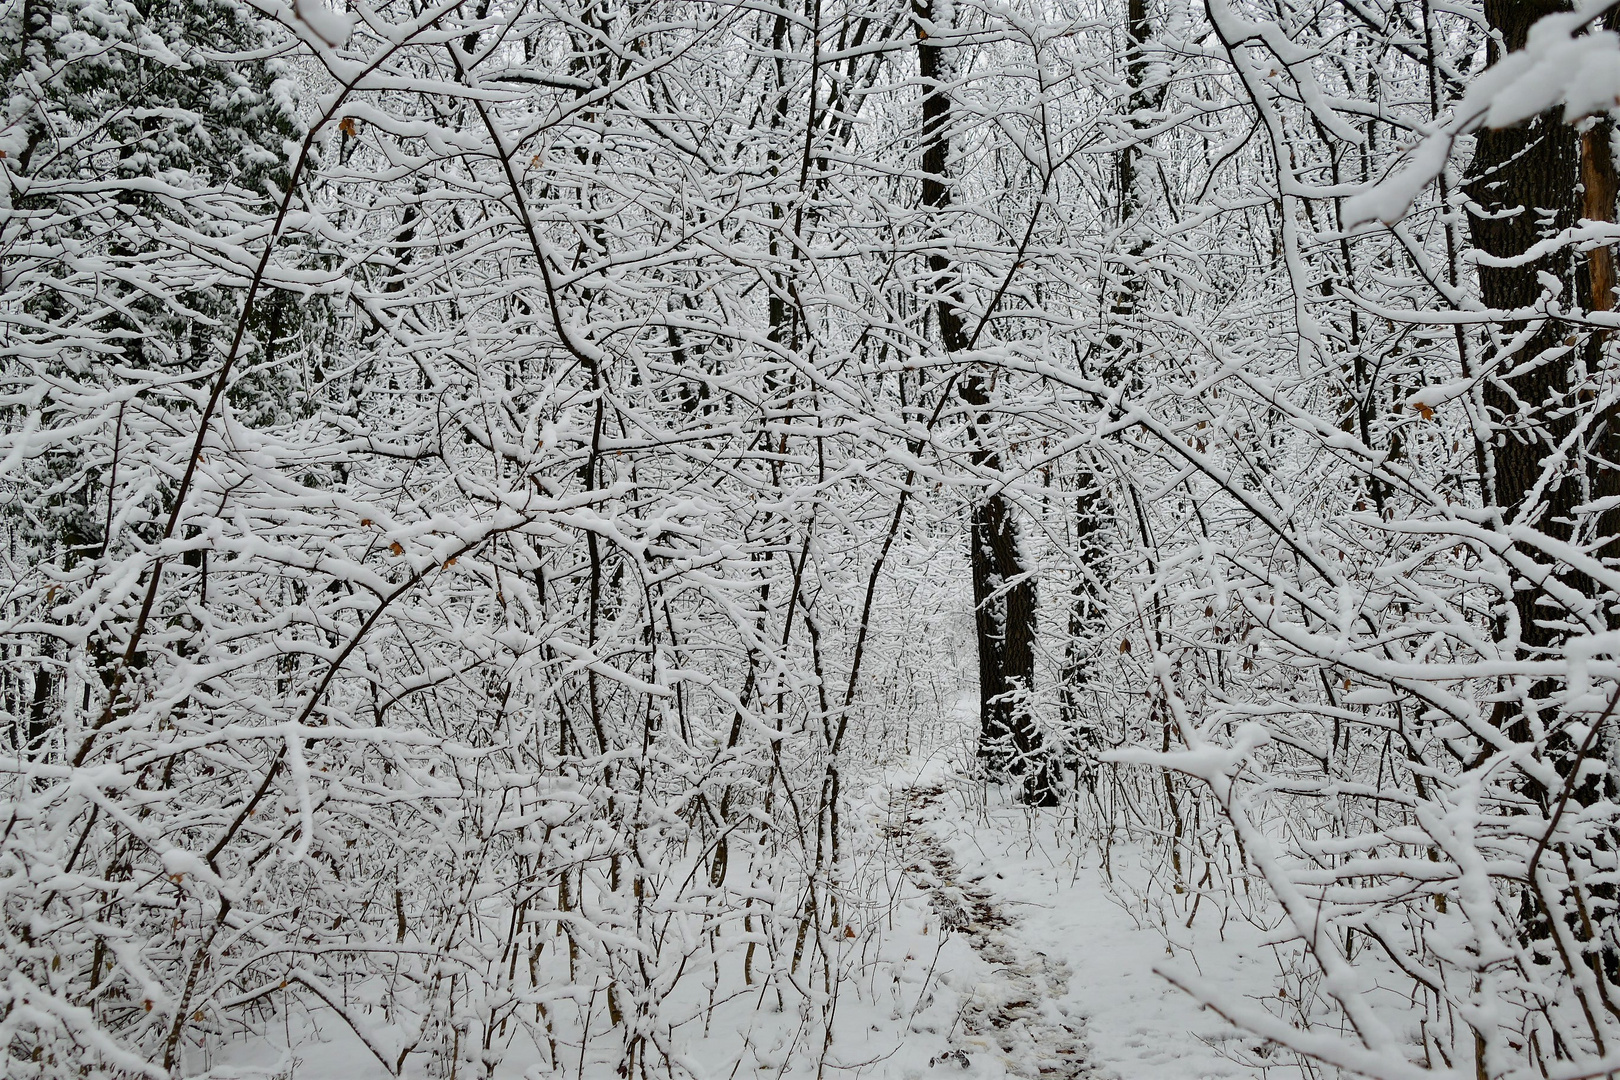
(1527, 183)
(1092, 513)
(1087, 616)
(1530, 183)
(1003, 587)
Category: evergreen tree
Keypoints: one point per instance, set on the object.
(144, 144)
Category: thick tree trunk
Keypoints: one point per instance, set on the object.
(1138, 26)
(1527, 183)
(1524, 183)
(1087, 616)
(1003, 587)
(1530, 183)
(39, 724)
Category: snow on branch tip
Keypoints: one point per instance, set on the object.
(1561, 64)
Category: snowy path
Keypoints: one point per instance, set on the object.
(993, 945)
(1015, 1016)
(1071, 989)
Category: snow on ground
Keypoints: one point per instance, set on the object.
(1010, 1019)
(1069, 909)
(986, 941)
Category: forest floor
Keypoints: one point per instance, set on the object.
(1061, 981)
(993, 942)
(1015, 1015)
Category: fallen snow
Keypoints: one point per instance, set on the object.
(1065, 972)
(1072, 910)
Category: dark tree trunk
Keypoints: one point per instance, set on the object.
(1524, 184)
(1003, 587)
(1092, 513)
(1527, 183)
(1122, 339)
(39, 724)
(1138, 26)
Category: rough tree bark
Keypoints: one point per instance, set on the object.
(1003, 584)
(1092, 512)
(1528, 183)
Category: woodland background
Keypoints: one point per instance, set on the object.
(486, 485)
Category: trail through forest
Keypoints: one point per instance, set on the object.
(1016, 1015)
(1067, 947)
